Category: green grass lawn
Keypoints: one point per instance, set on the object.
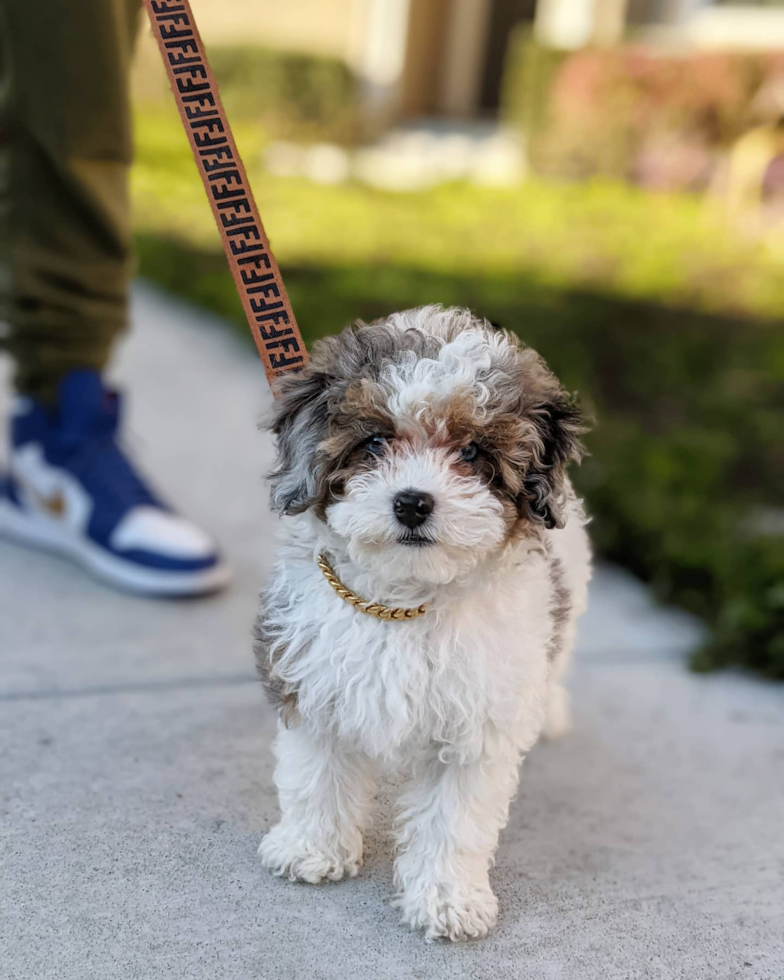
(604, 236)
(664, 320)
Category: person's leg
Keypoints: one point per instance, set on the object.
(65, 149)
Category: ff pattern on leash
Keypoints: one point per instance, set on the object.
(253, 266)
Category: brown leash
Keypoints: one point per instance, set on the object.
(253, 266)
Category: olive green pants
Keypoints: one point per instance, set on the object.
(65, 150)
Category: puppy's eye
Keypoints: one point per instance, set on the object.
(376, 445)
(469, 453)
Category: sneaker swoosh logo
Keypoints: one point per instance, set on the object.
(53, 503)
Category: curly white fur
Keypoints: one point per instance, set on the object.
(456, 697)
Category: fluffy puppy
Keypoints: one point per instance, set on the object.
(423, 460)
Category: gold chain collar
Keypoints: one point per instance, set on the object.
(364, 605)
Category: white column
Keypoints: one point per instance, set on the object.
(564, 24)
(379, 52)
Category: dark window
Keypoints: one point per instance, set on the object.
(505, 15)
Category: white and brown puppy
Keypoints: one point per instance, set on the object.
(424, 456)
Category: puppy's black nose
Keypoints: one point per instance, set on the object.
(412, 507)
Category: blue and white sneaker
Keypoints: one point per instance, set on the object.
(70, 489)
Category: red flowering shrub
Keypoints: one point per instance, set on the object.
(631, 112)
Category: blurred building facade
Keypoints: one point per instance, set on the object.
(445, 58)
(727, 24)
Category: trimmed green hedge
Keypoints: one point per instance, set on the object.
(293, 96)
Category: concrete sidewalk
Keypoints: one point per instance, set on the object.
(135, 772)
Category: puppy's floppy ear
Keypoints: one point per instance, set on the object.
(559, 424)
(300, 424)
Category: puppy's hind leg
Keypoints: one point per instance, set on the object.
(558, 720)
(325, 796)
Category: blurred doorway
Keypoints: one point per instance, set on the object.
(505, 15)
(455, 54)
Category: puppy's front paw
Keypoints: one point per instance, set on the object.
(457, 915)
(298, 858)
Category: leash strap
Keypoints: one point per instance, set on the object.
(253, 266)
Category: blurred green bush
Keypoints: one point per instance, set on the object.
(282, 94)
(666, 324)
(293, 96)
(632, 112)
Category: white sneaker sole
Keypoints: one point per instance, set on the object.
(40, 531)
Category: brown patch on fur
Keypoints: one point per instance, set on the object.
(561, 607)
(531, 430)
(280, 695)
(513, 448)
(357, 415)
(450, 424)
